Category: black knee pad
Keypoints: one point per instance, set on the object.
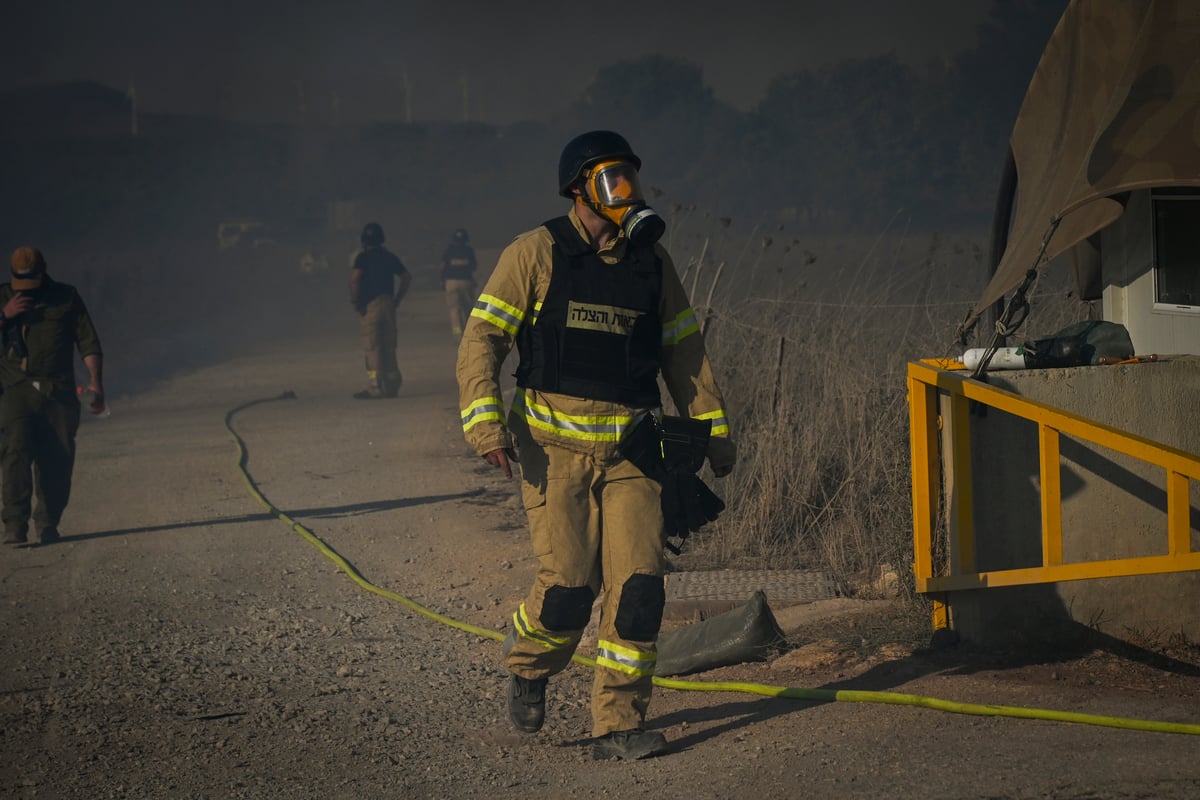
(567, 608)
(639, 614)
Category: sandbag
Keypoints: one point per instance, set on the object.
(747, 633)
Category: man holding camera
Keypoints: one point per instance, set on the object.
(42, 322)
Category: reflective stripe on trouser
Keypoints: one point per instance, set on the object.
(378, 329)
(460, 298)
(38, 443)
(594, 526)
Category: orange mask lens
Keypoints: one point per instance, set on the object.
(616, 184)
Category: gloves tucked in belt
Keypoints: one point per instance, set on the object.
(687, 504)
(671, 452)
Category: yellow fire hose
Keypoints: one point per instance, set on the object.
(820, 695)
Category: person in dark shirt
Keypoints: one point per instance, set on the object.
(372, 279)
(43, 322)
(458, 279)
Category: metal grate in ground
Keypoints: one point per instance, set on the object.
(781, 586)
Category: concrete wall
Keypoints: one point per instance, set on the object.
(1113, 506)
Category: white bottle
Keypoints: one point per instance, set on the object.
(1005, 358)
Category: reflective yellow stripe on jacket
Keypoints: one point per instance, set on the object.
(676, 330)
(625, 659)
(507, 318)
(720, 423)
(590, 428)
(483, 409)
(504, 316)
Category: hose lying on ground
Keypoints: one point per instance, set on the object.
(819, 695)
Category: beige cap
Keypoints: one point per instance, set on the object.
(28, 268)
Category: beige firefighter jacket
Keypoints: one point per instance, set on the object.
(512, 297)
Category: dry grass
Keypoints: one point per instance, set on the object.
(811, 347)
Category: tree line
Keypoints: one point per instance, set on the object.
(850, 146)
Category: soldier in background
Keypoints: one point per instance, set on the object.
(43, 322)
(458, 279)
(372, 279)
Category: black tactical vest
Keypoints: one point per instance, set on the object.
(598, 333)
(458, 263)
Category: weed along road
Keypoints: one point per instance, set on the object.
(181, 641)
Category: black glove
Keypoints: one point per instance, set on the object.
(687, 504)
(675, 522)
(671, 453)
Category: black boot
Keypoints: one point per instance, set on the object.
(527, 703)
(629, 745)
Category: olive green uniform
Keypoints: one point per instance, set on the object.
(39, 409)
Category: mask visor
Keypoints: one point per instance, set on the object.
(615, 184)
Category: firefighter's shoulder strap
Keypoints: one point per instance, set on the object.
(566, 237)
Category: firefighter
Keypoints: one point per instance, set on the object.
(458, 280)
(597, 312)
(43, 322)
(372, 278)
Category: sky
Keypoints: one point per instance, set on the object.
(497, 62)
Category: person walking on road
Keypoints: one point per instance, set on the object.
(43, 322)
(373, 276)
(596, 311)
(458, 279)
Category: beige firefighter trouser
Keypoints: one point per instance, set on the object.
(460, 298)
(378, 329)
(596, 527)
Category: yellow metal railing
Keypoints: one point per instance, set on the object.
(958, 570)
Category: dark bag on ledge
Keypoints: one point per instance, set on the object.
(1079, 345)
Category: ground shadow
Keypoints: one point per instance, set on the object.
(349, 510)
(732, 716)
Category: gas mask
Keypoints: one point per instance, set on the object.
(611, 189)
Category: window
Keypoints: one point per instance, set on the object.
(1176, 249)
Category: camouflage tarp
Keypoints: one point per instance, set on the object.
(1113, 106)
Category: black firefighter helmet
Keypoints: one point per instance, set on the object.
(587, 149)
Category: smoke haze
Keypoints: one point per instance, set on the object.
(517, 60)
(763, 128)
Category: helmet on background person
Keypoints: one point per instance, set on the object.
(28, 269)
(460, 236)
(603, 166)
(372, 235)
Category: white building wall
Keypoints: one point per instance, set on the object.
(1127, 251)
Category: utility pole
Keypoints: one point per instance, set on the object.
(303, 104)
(132, 95)
(466, 97)
(407, 98)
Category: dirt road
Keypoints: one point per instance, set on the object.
(180, 642)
